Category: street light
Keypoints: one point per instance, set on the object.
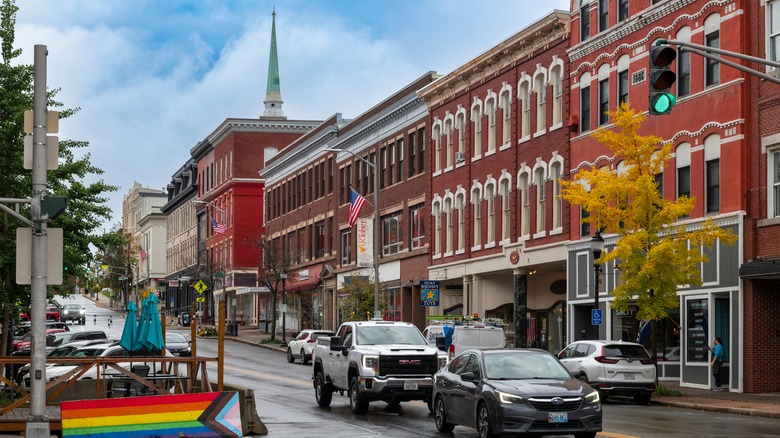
(596, 246)
(376, 222)
(283, 276)
(224, 246)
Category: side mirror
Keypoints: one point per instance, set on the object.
(441, 343)
(467, 377)
(335, 343)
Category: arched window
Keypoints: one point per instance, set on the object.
(490, 197)
(460, 125)
(712, 173)
(448, 212)
(556, 173)
(556, 77)
(541, 112)
(506, 125)
(476, 119)
(448, 133)
(476, 223)
(437, 228)
(505, 212)
(540, 200)
(490, 112)
(437, 145)
(525, 201)
(525, 101)
(460, 202)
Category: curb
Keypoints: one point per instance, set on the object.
(715, 408)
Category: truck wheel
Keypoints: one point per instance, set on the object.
(290, 357)
(358, 404)
(304, 359)
(322, 390)
(441, 418)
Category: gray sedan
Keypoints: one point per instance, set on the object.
(177, 344)
(508, 391)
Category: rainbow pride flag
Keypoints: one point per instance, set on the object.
(208, 414)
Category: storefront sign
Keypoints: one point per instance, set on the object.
(697, 325)
(429, 293)
(365, 243)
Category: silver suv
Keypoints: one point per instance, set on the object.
(612, 367)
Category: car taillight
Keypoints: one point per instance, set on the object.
(602, 359)
(311, 341)
(648, 361)
(452, 349)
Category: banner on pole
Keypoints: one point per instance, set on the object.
(365, 243)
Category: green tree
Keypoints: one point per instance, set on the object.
(86, 201)
(655, 251)
(358, 301)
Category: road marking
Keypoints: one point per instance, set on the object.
(617, 435)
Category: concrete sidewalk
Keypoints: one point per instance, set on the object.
(762, 405)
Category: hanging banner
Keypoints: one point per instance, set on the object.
(429, 293)
(365, 243)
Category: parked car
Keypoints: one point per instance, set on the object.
(465, 337)
(177, 344)
(514, 391)
(612, 367)
(23, 329)
(52, 314)
(302, 346)
(58, 339)
(26, 341)
(62, 350)
(74, 312)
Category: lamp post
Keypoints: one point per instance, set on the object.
(224, 246)
(283, 276)
(376, 221)
(596, 246)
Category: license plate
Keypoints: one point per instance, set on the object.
(558, 417)
(628, 376)
(410, 386)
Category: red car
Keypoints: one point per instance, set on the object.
(52, 314)
(26, 341)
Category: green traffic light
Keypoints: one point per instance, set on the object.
(662, 103)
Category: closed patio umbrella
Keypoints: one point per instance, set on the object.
(154, 338)
(129, 340)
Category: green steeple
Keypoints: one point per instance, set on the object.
(273, 94)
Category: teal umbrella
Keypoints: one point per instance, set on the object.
(143, 325)
(128, 340)
(154, 337)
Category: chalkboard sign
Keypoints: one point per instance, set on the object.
(696, 312)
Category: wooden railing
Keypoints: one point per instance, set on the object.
(187, 375)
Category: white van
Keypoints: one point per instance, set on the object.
(465, 337)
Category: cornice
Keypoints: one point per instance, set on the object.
(230, 126)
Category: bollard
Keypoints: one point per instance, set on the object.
(95, 319)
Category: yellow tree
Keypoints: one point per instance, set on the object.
(656, 251)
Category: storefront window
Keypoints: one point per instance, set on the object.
(626, 327)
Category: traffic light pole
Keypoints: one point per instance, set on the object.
(707, 52)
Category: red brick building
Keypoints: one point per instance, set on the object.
(708, 128)
(499, 143)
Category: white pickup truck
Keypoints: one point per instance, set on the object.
(375, 360)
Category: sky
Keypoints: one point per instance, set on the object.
(152, 78)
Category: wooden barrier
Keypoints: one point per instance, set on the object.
(208, 414)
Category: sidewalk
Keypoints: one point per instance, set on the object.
(761, 405)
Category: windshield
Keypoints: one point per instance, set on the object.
(389, 334)
(72, 306)
(55, 339)
(519, 365)
(174, 337)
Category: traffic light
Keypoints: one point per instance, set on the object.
(661, 78)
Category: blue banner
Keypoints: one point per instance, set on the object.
(429, 293)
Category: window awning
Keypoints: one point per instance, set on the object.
(304, 285)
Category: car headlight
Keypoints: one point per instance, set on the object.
(442, 361)
(509, 398)
(372, 362)
(65, 312)
(593, 397)
(81, 311)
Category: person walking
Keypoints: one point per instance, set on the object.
(717, 361)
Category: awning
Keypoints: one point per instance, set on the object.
(252, 290)
(304, 285)
(761, 269)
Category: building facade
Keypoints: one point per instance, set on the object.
(499, 145)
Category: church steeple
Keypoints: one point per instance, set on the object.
(273, 94)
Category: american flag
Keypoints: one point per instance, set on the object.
(143, 254)
(355, 205)
(530, 334)
(217, 227)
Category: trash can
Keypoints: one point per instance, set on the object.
(184, 319)
(233, 329)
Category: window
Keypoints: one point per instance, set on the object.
(459, 205)
(557, 82)
(477, 222)
(461, 126)
(412, 155)
(417, 214)
(603, 15)
(603, 101)
(774, 175)
(392, 298)
(392, 234)
(584, 226)
(584, 20)
(525, 200)
(712, 67)
(437, 229)
(622, 10)
(449, 230)
(421, 150)
(491, 115)
(525, 99)
(773, 30)
(399, 157)
(476, 119)
(585, 109)
(541, 111)
(683, 157)
(448, 141)
(382, 167)
(437, 147)
(557, 174)
(683, 73)
(622, 87)
(319, 239)
(659, 183)
(540, 201)
(490, 197)
(506, 126)
(712, 173)
(505, 214)
(391, 164)
(346, 246)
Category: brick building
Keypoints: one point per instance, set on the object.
(499, 143)
(708, 128)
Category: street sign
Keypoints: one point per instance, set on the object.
(595, 316)
(200, 286)
(122, 278)
(429, 293)
(173, 283)
(218, 275)
(377, 314)
(284, 308)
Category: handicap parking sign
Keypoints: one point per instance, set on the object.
(595, 316)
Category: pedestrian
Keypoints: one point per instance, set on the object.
(717, 361)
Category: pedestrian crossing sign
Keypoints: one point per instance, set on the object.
(200, 286)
